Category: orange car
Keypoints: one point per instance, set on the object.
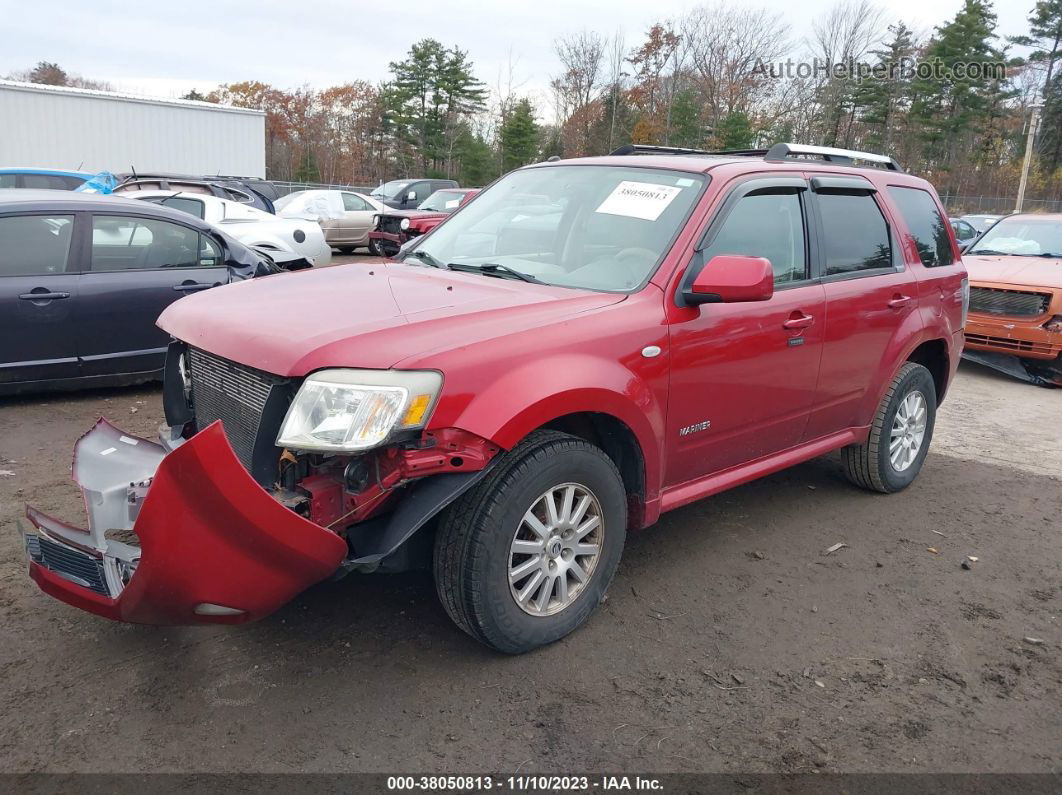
(1015, 320)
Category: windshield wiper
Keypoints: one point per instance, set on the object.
(493, 268)
(992, 251)
(426, 258)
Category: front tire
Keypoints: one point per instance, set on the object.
(892, 456)
(523, 558)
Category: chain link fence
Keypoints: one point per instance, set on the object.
(997, 205)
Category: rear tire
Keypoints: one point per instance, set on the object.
(892, 456)
(480, 570)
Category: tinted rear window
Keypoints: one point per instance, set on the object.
(856, 235)
(927, 226)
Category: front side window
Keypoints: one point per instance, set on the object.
(391, 190)
(855, 235)
(928, 228)
(594, 227)
(32, 245)
(767, 225)
(126, 243)
(1022, 235)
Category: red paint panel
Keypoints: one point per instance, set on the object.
(210, 534)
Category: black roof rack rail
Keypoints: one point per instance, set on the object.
(777, 153)
(647, 149)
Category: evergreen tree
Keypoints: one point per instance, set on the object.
(686, 127)
(432, 92)
(519, 136)
(735, 131)
(950, 106)
(1045, 27)
(884, 97)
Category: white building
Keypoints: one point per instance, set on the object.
(85, 130)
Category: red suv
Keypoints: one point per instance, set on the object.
(392, 229)
(588, 344)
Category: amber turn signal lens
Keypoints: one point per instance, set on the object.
(418, 407)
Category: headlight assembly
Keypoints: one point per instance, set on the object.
(350, 410)
(404, 223)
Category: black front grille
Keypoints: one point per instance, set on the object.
(1013, 303)
(236, 395)
(390, 224)
(69, 563)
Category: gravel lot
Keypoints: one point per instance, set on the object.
(729, 641)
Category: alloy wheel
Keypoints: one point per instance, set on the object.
(555, 549)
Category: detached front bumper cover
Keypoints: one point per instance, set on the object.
(183, 536)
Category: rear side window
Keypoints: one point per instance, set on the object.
(190, 206)
(352, 203)
(856, 237)
(767, 225)
(46, 181)
(8, 180)
(32, 245)
(928, 227)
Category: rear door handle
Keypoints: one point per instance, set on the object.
(43, 296)
(899, 301)
(798, 320)
(191, 287)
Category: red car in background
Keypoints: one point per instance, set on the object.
(392, 229)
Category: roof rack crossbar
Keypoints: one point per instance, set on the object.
(831, 155)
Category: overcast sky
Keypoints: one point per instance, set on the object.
(166, 48)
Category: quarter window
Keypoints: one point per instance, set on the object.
(34, 244)
(855, 235)
(927, 226)
(123, 243)
(767, 225)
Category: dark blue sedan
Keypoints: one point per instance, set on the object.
(83, 278)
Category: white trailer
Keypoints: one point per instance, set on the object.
(83, 130)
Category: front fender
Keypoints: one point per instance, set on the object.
(529, 396)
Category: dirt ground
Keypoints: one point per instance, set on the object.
(729, 641)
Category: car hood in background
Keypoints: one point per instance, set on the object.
(364, 316)
(1016, 270)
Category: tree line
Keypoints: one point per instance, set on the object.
(718, 77)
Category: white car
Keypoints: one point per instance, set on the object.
(249, 225)
(345, 216)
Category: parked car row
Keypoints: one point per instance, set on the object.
(83, 279)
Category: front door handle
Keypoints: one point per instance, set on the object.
(41, 294)
(899, 301)
(798, 320)
(191, 287)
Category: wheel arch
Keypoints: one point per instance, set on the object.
(620, 444)
(933, 355)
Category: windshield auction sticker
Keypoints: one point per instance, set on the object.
(639, 200)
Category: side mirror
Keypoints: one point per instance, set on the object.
(731, 279)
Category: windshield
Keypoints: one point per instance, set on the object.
(442, 201)
(1022, 235)
(391, 190)
(595, 227)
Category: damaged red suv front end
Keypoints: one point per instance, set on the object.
(178, 536)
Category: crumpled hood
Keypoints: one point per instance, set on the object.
(361, 315)
(1019, 271)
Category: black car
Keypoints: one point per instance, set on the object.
(256, 192)
(83, 277)
(406, 194)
